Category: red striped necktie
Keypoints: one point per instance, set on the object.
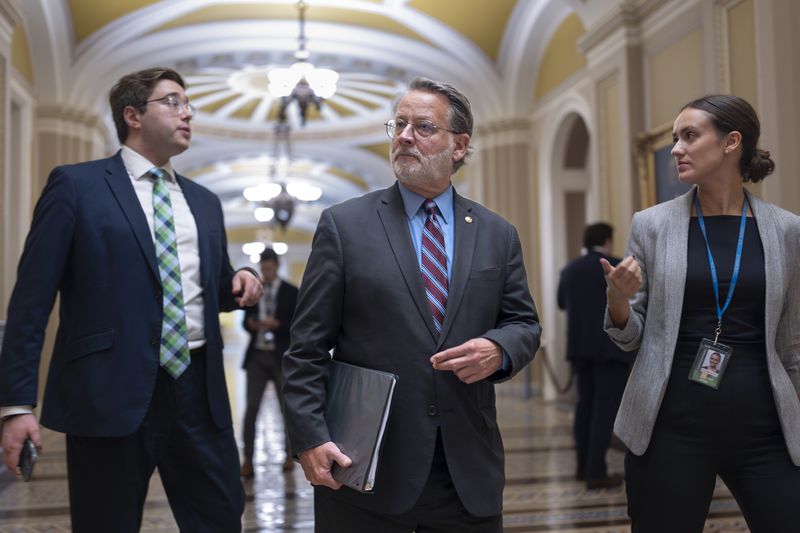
(434, 265)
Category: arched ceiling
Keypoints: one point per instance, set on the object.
(225, 47)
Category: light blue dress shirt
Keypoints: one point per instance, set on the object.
(412, 204)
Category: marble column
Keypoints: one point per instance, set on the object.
(503, 177)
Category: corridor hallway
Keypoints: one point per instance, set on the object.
(541, 493)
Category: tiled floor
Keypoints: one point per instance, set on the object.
(541, 494)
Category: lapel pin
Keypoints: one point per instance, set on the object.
(468, 219)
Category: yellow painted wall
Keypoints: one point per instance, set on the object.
(742, 51)
(20, 53)
(676, 77)
(268, 11)
(561, 58)
(481, 21)
(89, 16)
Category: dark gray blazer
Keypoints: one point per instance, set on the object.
(363, 296)
(659, 240)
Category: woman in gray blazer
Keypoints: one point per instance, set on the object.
(713, 270)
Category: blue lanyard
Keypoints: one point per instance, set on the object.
(736, 264)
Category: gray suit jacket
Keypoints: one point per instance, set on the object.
(659, 241)
(362, 296)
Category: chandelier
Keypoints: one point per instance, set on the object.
(276, 199)
(301, 82)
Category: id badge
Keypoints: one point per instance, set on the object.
(710, 363)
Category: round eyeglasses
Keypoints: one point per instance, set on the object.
(175, 104)
(422, 129)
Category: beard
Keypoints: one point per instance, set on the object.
(419, 169)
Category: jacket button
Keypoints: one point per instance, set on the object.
(154, 340)
(432, 410)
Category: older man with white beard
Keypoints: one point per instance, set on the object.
(418, 281)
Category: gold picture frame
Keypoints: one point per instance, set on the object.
(658, 175)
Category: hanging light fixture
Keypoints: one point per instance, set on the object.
(275, 200)
(301, 82)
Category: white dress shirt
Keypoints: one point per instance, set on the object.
(265, 339)
(185, 231)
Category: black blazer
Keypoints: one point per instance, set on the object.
(363, 296)
(582, 293)
(89, 243)
(285, 302)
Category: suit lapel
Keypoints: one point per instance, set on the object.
(120, 183)
(774, 263)
(463, 249)
(675, 257)
(395, 223)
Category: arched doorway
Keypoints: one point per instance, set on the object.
(567, 207)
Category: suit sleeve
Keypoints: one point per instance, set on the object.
(316, 323)
(562, 292)
(629, 338)
(788, 332)
(250, 312)
(42, 266)
(517, 330)
(227, 300)
(284, 313)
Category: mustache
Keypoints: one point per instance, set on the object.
(400, 152)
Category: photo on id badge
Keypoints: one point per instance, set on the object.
(709, 365)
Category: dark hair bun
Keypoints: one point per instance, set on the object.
(759, 167)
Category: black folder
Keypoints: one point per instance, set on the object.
(357, 409)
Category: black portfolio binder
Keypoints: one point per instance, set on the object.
(357, 409)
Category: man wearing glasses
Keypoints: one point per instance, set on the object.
(418, 281)
(138, 256)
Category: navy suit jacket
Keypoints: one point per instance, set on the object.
(363, 295)
(582, 293)
(90, 244)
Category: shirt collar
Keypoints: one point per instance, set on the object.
(138, 165)
(412, 202)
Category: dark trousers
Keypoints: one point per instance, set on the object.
(262, 367)
(198, 465)
(733, 432)
(600, 387)
(438, 510)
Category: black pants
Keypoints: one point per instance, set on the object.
(438, 510)
(198, 465)
(733, 432)
(262, 368)
(600, 388)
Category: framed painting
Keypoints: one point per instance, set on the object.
(658, 175)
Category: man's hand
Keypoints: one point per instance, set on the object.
(472, 361)
(270, 323)
(15, 430)
(317, 463)
(247, 288)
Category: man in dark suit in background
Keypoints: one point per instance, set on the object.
(418, 281)
(268, 323)
(601, 369)
(138, 256)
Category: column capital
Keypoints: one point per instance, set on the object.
(10, 16)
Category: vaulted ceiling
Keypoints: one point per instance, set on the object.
(489, 49)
